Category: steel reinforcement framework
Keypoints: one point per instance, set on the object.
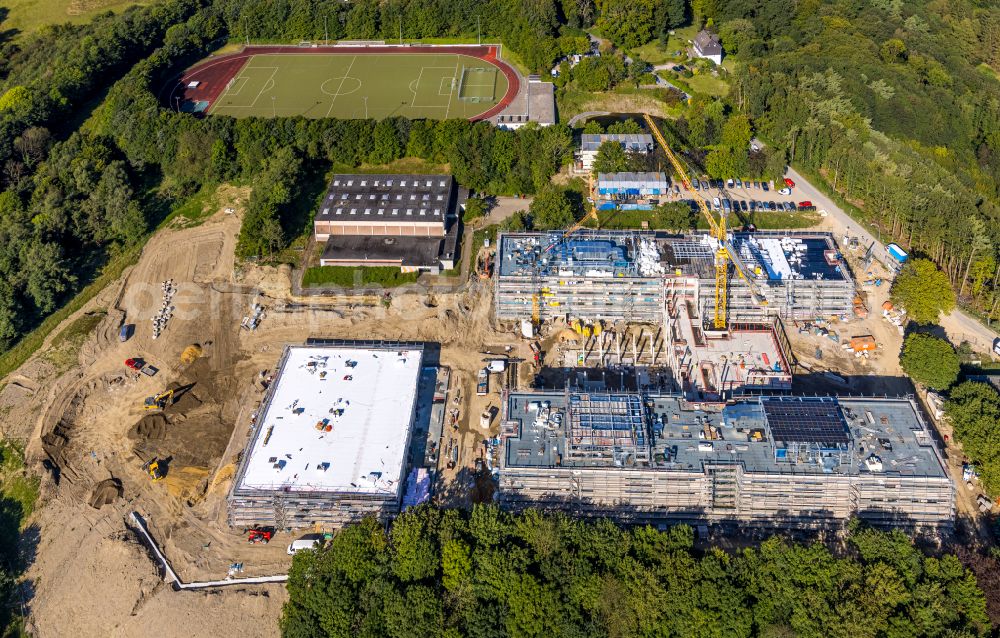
(215, 73)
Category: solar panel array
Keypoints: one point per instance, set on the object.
(806, 420)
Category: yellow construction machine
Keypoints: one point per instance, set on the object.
(159, 401)
(152, 467)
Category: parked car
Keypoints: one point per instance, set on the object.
(789, 206)
(729, 183)
(743, 205)
(695, 185)
(806, 204)
(772, 206)
(789, 183)
(753, 205)
(785, 191)
(726, 205)
(704, 184)
(715, 203)
(756, 184)
(764, 186)
(677, 189)
(739, 184)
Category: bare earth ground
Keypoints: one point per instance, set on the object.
(85, 422)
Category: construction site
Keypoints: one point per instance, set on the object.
(787, 462)
(612, 373)
(634, 276)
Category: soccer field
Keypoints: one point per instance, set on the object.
(348, 85)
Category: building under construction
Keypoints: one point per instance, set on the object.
(637, 276)
(775, 461)
(331, 440)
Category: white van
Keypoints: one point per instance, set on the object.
(309, 541)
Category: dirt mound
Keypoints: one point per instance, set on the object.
(185, 403)
(150, 427)
(106, 492)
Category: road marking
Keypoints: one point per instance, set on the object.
(346, 73)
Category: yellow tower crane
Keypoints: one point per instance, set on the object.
(725, 252)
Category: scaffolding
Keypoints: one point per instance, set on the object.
(629, 276)
(724, 465)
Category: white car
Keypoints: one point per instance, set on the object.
(715, 203)
(785, 191)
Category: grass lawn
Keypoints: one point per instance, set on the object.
(797, 220)
(65, 348)
(352, 277)
(349, 86)
(707, 84)
(15, 482)
(27, 16)
(195, 209)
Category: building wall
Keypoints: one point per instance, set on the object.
(723, 494)
(637, 299)
(323, 230)
(641, 299)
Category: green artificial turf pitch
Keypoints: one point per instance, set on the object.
(361, 86)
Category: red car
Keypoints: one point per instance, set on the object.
(789, 183)
(805, 204)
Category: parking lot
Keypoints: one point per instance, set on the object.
(748, 196)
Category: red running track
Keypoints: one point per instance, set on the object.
(215, 73)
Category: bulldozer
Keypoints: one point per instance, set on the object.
(152, 467)
(159, 401)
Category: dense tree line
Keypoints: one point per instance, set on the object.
(974, 411)
(895, 104)
(531, 28)
(68, 198)
(47, 78)
(487, 573)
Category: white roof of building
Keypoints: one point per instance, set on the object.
(362, 400)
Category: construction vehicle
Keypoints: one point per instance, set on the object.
(260, 535)
(536, 353)
(152, 467)
(483, 382)
(159, 401)
(725, 252)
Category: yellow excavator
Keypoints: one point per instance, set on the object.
(152, 467)
(725, 252)
(159, 401)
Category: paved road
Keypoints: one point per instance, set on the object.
(959, 325)
(579, 117)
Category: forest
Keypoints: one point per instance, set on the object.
(486, 574)
(896, 105)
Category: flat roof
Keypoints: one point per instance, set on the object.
(634, 142)
(337, 419)
(392, 199)
(408, 251)
(684, 436)
(773, 255)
